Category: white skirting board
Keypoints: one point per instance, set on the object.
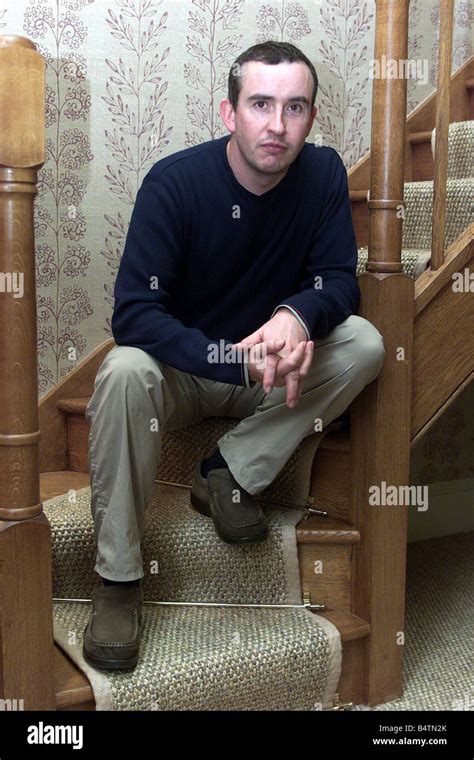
(450, 510)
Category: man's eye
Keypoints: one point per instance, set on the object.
(260, 101)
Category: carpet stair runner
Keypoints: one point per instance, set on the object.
(198, 657)
(278, 654)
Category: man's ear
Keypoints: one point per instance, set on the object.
(227, 114)
(312, 117)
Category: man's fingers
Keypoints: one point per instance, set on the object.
(305, 367)
(295, 382)
(307, 359)
(265, 357)
(271, 346)
(293, 360)
(292, 382)
(281, 367)
(270, 362)
(247, 342)
(289, 370)
(269, 372)
(262, 358)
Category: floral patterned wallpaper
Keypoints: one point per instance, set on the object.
(130, 81)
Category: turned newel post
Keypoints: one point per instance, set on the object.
(22, 153)
(380, 416)
(26, 633)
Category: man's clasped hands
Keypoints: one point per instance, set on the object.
(287, 355)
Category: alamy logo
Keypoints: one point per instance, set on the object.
(42, 734)
(12, 282)
(402, 68)
(222, 353)
(394, 496)
(12, 704)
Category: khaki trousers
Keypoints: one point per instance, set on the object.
(136, 398)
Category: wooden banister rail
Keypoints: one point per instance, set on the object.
(446, 14)
(380, 415)
(26, 619)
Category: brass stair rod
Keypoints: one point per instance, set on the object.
(213, 604)
(306, 507)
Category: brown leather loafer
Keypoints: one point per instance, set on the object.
(112, 635)
(236, 522)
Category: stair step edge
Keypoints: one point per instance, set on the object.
(58, 483)
(71, 685)
(324, 530)
(350, 626)
(72, 688)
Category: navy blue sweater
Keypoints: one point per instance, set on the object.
(207, 262)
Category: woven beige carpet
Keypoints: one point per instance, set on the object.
(418, 223)
(183, 448)
(414, 261)
(201, 658)
(196, 658)
(438, 661)
(460, 149)
(183, 558)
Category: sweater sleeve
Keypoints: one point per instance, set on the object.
(329, 292)
(148, 276)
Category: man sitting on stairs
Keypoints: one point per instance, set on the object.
(236, 296)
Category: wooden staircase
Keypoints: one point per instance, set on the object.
(320, 540)
(325, 549)
(362, 550)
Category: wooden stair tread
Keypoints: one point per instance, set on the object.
(73, 690)
(319, 530)
(349, 626)
(72, 687)
(58, 483)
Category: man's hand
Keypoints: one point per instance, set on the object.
(287, 365)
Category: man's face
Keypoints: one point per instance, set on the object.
(273, 115)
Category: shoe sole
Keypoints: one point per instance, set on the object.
(111, 664)
(204, 508)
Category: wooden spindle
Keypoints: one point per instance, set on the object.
(387, 148)
(26, 619)
(446, 14)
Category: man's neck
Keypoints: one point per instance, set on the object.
(251, 184)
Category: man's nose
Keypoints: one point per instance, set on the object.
(277, 121)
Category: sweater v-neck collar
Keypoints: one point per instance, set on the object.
(258, 200)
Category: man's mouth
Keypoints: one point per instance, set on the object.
(274, 147)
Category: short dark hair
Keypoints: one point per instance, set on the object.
(272, 53)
